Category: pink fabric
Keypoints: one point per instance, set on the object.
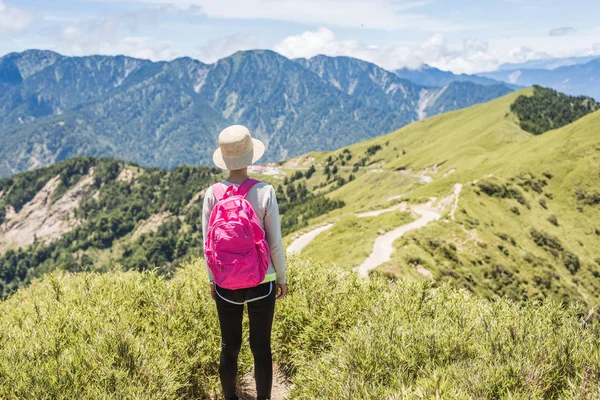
(235, 247)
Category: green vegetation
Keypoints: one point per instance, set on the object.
(137, 335)
(512, 182)
(297, 206)
(351, 239)
(165, 205)
(108, 218)
(548, 109)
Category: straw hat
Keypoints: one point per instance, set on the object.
(237, 149)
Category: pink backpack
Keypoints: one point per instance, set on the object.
(235, 247)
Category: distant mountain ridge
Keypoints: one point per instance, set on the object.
(547, 63)
(427, 75)
(54, 107)
(580, 78)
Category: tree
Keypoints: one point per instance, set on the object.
(310, 172)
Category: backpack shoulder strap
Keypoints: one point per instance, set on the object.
(246, 186)
(218, 190)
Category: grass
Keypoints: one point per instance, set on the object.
(136, 335)
(485, 143)
(350, 241)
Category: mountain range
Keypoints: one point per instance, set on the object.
(580, 78)
(165, 114)
(103, 290)
(427, 75)
(547, 63)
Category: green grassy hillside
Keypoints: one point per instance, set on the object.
(137, 335)
(527, 224)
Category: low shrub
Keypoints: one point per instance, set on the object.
(336, 336)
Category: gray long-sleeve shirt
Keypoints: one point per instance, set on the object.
(264, 202)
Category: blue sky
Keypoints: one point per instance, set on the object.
(458, 35)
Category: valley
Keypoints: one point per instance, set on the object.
(473, 204)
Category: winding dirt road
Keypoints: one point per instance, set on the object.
(300, 243)
(384, 244)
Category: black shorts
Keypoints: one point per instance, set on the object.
(241, 296)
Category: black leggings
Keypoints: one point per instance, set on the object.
(260, 315)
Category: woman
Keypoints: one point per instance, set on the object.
(237, 151)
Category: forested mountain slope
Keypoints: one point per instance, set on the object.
(166, 114)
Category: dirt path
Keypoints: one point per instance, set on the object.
(457, 189)
(300, 243)
(279, 391)
(376, 213)
(383, 248)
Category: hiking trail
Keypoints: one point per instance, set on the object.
(281, 388)
(383, 247)
(301, 242)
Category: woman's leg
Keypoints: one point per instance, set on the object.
(260, 315)
(230, 319)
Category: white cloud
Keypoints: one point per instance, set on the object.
(470, 56)
(227, 45)
(324, 41)
(77, 44)
(562, 31)
(15, 19)
(389, 15)
(117, 33)
(110, 33)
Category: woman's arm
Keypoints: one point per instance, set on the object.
(207, 207)
(273, 233)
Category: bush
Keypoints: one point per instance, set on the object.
(547, 241)
(503, 191)
(310, 172)
(548, 109)
(297, 175)
(571, 261)
(118, 335)
(132, 335)
(553, 220)
(372, 150)
(590, 199)
(412, 342)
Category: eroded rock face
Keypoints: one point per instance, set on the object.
(126, 176)
(194, 200)
(43, 218)
(152, 224)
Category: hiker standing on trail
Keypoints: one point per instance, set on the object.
(245, 257)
